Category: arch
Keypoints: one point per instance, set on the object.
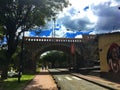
(63, 48)
(35, 48)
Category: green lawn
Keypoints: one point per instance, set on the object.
(13, 84)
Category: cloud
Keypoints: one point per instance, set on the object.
(84, 17)
(108, 17)
(72, 11)
(76, 21)
(40, 32)
(27, 33)
(101, 16)
(78, 36)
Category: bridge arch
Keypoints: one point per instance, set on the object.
(57, 47)
(37, 46)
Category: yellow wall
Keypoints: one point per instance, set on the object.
(104, 43)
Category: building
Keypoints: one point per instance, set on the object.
(109, 50)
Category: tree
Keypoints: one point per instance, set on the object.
(1, 34)
(24, 15)
(56, 58)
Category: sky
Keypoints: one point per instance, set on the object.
(83, 17)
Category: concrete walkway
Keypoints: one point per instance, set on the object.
(42, 81)
(100, 81)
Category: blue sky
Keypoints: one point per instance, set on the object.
(83, 17)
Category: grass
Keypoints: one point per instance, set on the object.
(13, 84)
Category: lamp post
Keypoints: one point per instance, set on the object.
(54, 20)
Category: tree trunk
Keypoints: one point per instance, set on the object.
(5, 65)
(10, 51)
(12, 45)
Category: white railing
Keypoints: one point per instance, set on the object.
(39, 39)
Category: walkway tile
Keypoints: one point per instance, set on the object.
(42, 81)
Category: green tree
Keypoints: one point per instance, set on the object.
(56, 58)
(24, 15)
(90, 51)
(1, 33)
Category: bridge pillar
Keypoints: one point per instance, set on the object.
(29, 64)
(68, 61)
(74, 61)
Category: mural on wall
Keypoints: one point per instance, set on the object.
(113, 58)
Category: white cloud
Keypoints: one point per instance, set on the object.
(78, 36)
(92, 33)
(76, 18)
(27, 33)
(80, 4)
(87, 15)
(61, 32)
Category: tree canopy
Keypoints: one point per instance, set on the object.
(17, 16)
(25, 14)
(56, 58)
(28, 13)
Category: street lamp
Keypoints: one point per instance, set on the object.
(54, 20)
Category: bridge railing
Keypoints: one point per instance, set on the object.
(42, 39)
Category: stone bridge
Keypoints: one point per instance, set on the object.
(35, 46)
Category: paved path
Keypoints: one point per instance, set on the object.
(67, 81)
(100, 81)
(42, 81)
(94, 79)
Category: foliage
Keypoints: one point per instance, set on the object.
(90, 51)
(1, 34)
(3, 59)
(1, 31)
(56, 58)
(28, 13)
(16, 58)
(24, 15)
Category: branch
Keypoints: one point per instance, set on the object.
(24, 17)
